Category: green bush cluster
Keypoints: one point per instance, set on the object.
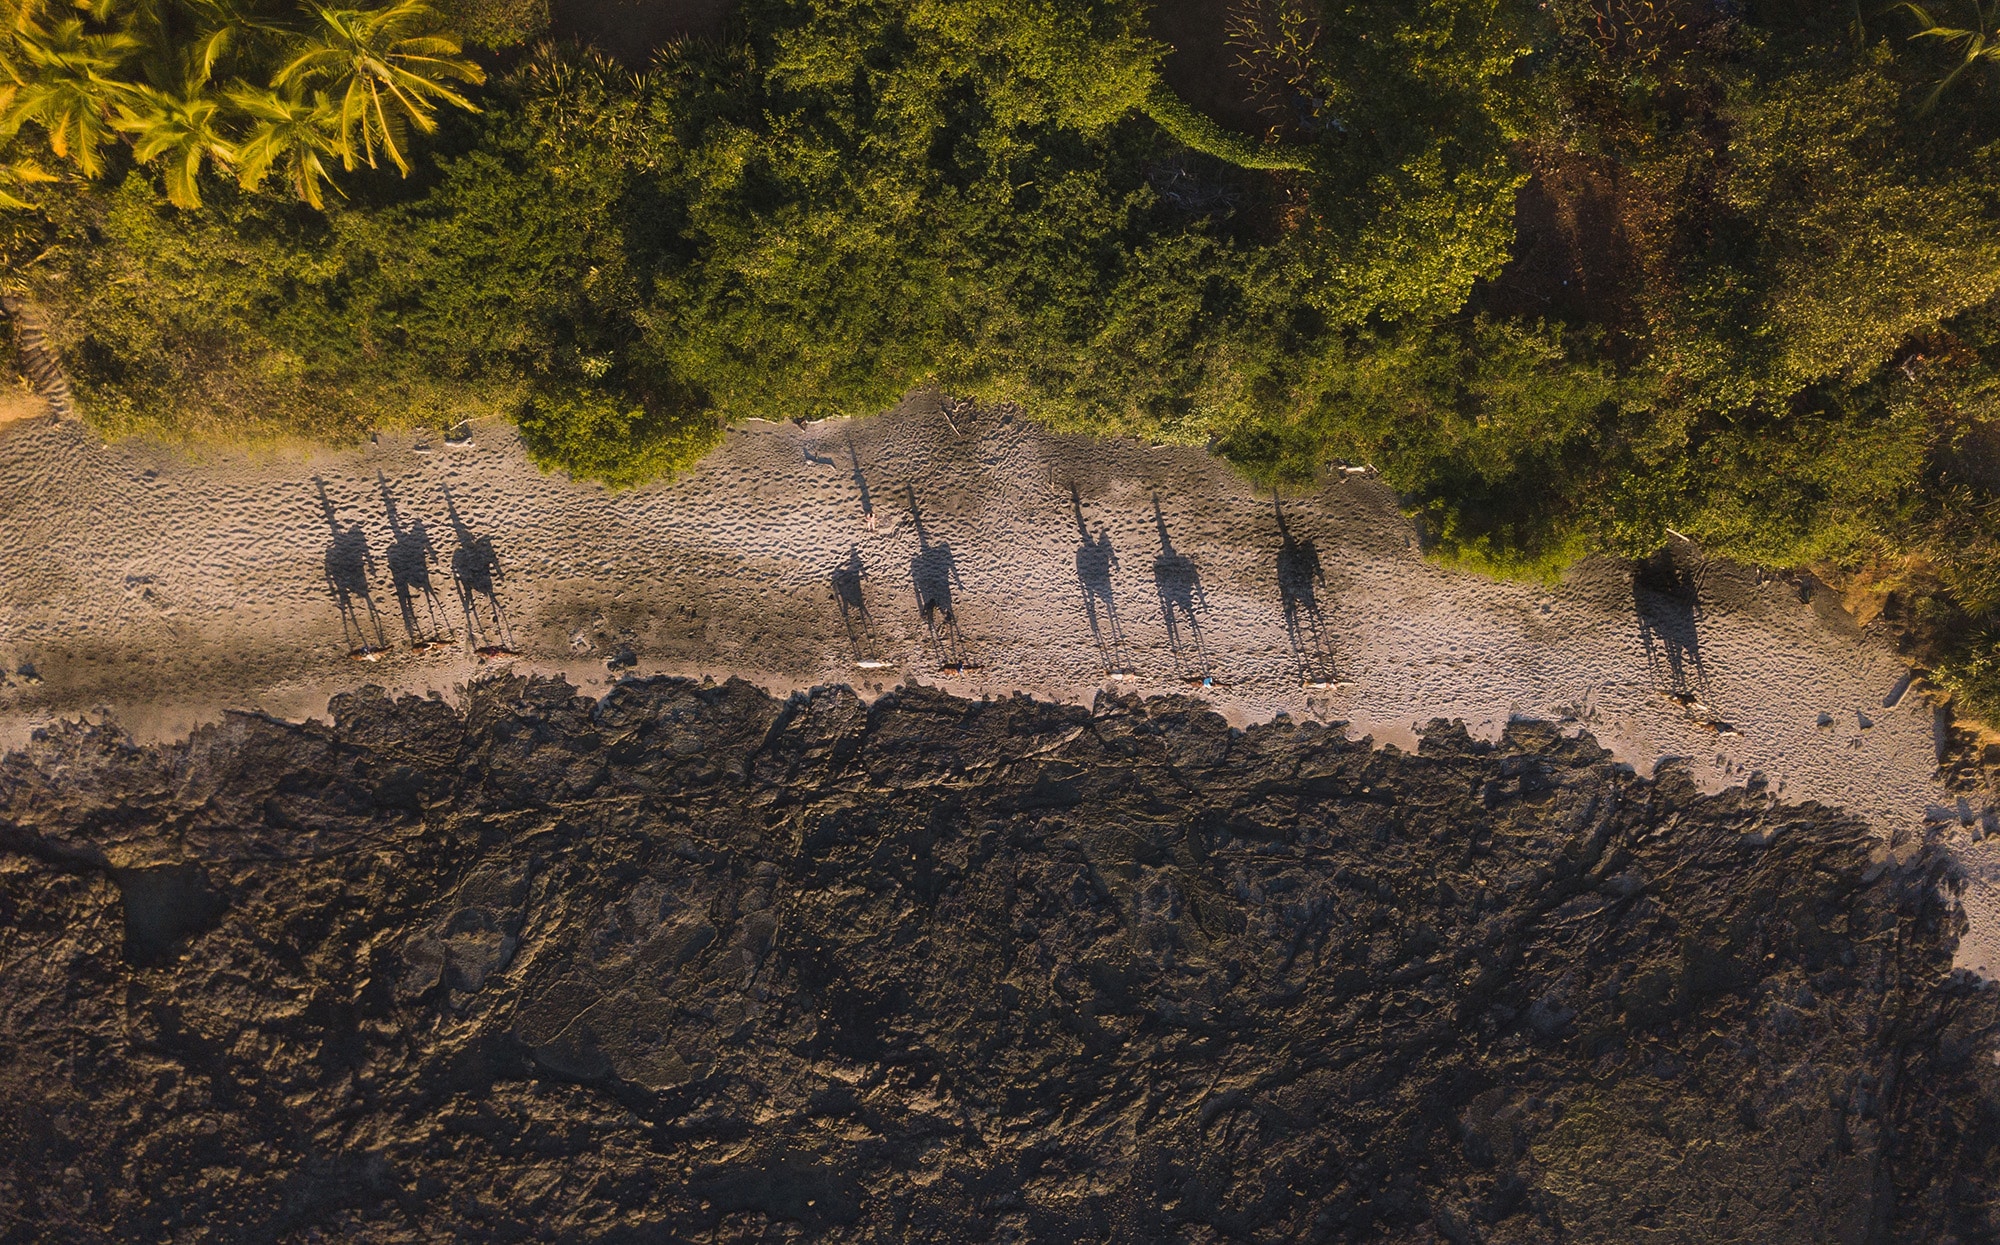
(840, 203)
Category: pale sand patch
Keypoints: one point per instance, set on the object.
(139, 583)
(18, 404)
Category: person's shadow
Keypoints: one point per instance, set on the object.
(933, 571)
(1182, 603)
(347, 566)
(475, 568)
(1666, 596)
(860, 485)
(1300, 577)
(410, 558)
(853, 601)
(1095, 562)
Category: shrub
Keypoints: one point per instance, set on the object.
(594, 435)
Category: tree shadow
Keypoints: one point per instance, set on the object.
(475, 569)
(1095, 562)
(410, 558)
(933, 571)
(854, 616)
(1666, 596)
(1182, 603)
(1300, 578)
(347, 566)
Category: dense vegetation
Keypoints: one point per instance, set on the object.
(1576, 276)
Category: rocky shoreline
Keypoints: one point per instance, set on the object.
(687, 961)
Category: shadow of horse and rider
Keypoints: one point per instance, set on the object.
(934, 577)
(414, 563)
(1096, 561)
(1301, 585)
(1667, 601)
(1184, 604)
(417, 568)
(1176, 583)
(850, 593)
(935, 581)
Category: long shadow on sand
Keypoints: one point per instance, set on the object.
(1300, 578)
(1095, 562)
(1666, 596)
(861, 485)
(1182, 603)
(475, 568)
(933, 571)
(853, 601)
(347, 567)
(410, 558)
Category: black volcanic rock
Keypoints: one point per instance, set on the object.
(690, 963)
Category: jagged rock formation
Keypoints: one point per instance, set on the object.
(690, 963)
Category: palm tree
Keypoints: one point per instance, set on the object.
(1978, 43)
(63, 81)
(302, 133)
(179, 129)
(388, 69)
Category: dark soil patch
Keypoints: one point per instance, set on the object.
(1572, 260)
(1202, 67)
(1976, 457)
(631, 31)
(164, 906)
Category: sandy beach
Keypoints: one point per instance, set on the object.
(938, 543)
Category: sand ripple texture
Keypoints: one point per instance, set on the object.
(938, 543)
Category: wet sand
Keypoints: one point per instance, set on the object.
(956, 547)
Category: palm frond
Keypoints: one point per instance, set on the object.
(64, 82)
(1978, 43)
(390, 69)
(18, 175)
(178, 132)
(295, 130)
